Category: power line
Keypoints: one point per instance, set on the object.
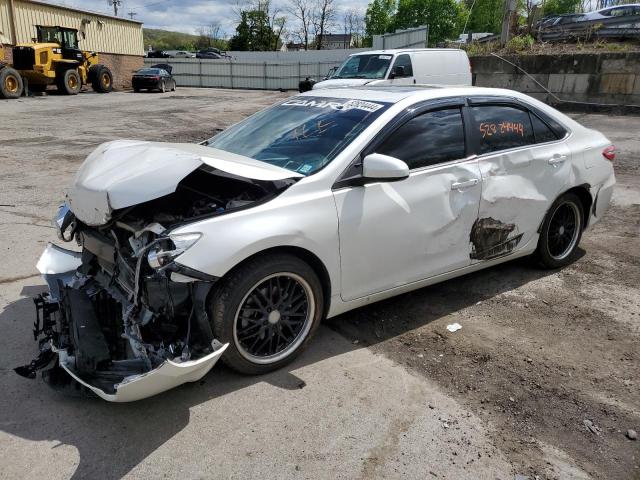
(149, 4)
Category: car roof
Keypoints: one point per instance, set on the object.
(395, 94)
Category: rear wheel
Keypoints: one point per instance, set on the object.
(69, 82)
(10, 83)
(174, 86)
(561, 232)
(267, 310)
(163, 87)
(101, 79)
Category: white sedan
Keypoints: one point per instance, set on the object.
(238, 248)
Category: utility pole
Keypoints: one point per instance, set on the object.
(509, 8)
(115, 4)
(132, 14)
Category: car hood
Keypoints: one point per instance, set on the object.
(345, 82)
(124, 173)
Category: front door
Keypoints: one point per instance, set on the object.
(404, 74)
(395, 233)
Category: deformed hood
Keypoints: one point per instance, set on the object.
(124, 173)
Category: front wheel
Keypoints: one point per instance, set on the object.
(561, 232)
(267, 310)
(11, 85)
(101, 79)
(68, 82)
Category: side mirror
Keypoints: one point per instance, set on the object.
(398, 71)
(384, 168)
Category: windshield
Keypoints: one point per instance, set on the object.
(364, 66)
(303, 134)
(66, 38)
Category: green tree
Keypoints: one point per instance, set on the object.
(442, 16)
(378, 19)
(253, 32)
(486, 15)
(557, 7)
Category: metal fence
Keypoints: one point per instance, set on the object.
(410, 38)
(193, 72)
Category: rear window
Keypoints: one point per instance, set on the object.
(148, 71)
(541, 131)
(501, 127)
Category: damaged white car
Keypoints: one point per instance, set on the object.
(237, 248)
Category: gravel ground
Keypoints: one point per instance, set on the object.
(542, 379)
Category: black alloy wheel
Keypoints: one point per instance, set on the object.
(267, 309)
(272, 316)
(561, 232)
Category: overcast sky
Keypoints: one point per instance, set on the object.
(183, 15)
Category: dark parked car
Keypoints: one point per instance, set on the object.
(157, 54)
(156, 77)
(208, 55)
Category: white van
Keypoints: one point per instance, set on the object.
(445, 66)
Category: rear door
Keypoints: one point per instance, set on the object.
(395, 233)
(525, 165)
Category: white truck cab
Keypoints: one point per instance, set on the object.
(444, 66)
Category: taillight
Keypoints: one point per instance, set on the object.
(609, 153)
(156, 78)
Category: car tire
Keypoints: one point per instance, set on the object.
(249, 311)
(11, 85)
(68, 82)
(561, 232)
(174, 86)
(163, 87)
(101, 79)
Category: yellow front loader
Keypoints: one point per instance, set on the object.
(55, 59)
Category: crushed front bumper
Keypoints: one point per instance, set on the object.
(70, 334)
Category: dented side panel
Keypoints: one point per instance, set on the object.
(518, 187)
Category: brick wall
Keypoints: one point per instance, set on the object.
(583, 77)
(122, 68)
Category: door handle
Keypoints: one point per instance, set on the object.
(464, 185)
(557, 159)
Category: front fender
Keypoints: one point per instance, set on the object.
(227, 240)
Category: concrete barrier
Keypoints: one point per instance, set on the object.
(612, 78)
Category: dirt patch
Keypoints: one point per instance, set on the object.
(541, 356)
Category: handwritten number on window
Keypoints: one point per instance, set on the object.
(490, 129)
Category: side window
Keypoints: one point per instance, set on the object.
(541, 131)
(500, 127)
(431, 138)
(404, 61)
